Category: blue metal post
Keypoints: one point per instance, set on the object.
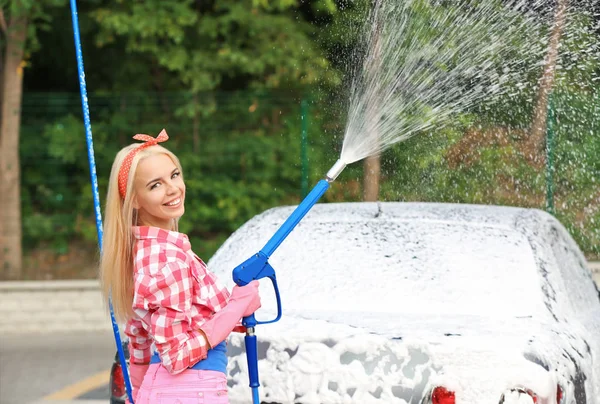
(94, 179)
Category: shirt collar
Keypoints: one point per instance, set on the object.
(162, 236)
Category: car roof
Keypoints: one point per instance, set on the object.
(482, 215)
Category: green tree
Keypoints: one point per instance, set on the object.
(20, 21)
(537, 136)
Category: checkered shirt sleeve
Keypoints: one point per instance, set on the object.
(140, 343)
(174, 294)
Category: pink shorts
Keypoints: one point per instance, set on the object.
(187, 387)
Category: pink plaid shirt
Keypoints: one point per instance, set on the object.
(174, 294)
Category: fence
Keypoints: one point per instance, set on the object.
(242, 153)
(248, 151)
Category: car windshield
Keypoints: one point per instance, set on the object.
(416, 267)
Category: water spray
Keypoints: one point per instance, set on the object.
(258, 267)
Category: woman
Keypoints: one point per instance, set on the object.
(160, 288)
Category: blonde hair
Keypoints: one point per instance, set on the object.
(116, 260)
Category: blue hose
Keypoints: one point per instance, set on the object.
(94, 179)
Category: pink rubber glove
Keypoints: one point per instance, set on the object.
(243, 302)
(247, 293)
(136, 375)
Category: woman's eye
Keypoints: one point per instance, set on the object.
(175, 175)
(154, 185)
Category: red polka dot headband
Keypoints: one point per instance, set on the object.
(124, 170)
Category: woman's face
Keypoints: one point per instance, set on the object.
(159, 191)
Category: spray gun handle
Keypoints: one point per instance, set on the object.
(255, 268)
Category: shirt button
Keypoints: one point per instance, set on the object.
(200, 394)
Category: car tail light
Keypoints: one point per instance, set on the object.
(117, 385)
(559, 394)
(441, 395)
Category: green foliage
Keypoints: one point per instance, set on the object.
(226, 79)
(227, 44)
(239, 152)
(37, 12)
(62, 145)
(454, 164)
(580, 54)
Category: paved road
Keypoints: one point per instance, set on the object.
(63, 364)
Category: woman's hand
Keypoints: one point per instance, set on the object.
(244, 301)
(248, 296)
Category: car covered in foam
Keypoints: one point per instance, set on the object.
(420, 303)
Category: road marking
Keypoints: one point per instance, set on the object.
(77, 389)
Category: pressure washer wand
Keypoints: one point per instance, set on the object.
(258, 267)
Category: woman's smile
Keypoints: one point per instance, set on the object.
(174, 203)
